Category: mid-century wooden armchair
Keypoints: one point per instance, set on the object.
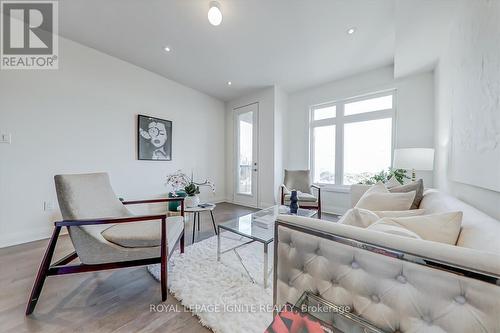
(102, 232)
(300, 180)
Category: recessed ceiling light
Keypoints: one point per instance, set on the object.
(167, 48)
(350, 31)
(229, 83)
(214, 13)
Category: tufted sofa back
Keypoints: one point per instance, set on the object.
(401, 291)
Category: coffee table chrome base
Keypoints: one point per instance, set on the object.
(267, 272)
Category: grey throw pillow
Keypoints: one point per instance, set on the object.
(417, 186)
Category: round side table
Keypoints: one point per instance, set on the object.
(196, 216)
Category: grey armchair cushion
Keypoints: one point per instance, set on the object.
(303, 197)
(299, 180)
(144, 234)
(85, 196)
(417, 186)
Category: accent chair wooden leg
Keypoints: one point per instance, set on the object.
(164, 256)
(42, 272)
(319, 203)
(282, 196)
(182, 242)
(194, 225)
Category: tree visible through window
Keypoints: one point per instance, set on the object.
(351, 139)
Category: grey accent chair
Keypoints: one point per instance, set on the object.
(105, 234)
(300, 180)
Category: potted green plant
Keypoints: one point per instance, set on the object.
(383, 176)
(180, 181)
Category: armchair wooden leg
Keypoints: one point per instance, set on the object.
(163, 265)
(42, 272)
(182, 242)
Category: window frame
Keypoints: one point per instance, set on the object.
(339, 121)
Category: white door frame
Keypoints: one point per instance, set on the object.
(251, 200)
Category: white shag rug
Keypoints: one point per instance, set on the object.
(220, 293)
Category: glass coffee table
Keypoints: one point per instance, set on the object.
(256, 227)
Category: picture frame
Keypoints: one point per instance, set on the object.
(154, 138)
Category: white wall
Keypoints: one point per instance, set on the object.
(281, 110)
(82, 118)
(468, 60)
(414, 122)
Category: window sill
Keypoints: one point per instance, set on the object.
(335, 188)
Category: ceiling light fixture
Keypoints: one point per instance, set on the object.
(214, 13)
(350, 31)
(167, 48)
(229, 83)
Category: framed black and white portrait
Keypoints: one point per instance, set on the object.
(154, 139)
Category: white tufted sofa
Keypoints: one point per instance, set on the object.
(398, 284)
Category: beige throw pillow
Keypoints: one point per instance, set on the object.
(399, 213)
(393, 229)
(358, 217)
(379, 201)
(442, 228)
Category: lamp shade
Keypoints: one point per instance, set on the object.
(414, 158)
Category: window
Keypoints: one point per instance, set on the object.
(351, 139)
(324, 168)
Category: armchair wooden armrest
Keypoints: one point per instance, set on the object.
(282, 191)
(112, 220)
(136, 202)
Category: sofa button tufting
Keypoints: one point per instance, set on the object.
(401, 278)
(427, 319)
(375, 299)
(354, 265)
(460, 299)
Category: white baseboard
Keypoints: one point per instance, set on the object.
(31, 235)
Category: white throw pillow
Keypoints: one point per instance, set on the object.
(380, 201)
(442, 228)
(379, 187)
(399, 213)
(382, 226)
(392, 182)
(359, 217)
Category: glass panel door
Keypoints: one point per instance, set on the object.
(246, 152)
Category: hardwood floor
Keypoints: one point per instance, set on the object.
(110, 301)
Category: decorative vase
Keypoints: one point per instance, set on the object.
(192, 201)
(294, 205)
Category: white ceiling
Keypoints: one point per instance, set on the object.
(291, 43)
(422, 28)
